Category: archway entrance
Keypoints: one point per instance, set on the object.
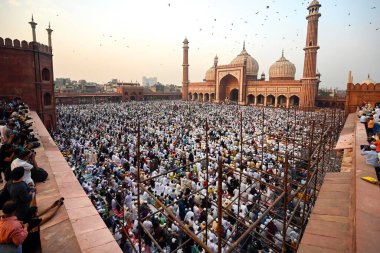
(234, 95)
(195, 97)
(133, 96)
(281, 101)
(207, 97)
(270, 100)
(227, 85)
(260, 100)
(250, 99)
(294, 101)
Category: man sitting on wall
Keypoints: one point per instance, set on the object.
(7, 132)
(22, 194)
(27, 160)
(371, 155)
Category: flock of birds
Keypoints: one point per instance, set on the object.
(267, 14)
(262, 14)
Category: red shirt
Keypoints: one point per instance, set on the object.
(377, 143)
(11, 231)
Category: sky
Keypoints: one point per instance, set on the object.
(100, 40)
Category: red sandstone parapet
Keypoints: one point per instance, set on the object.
(363, 86)
(7, 42)
(357, 94)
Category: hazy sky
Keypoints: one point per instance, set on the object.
(100, 40)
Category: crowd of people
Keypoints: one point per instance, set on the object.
(370, 117)
(19, 173)
(177, 170)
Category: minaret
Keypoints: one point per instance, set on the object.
(215, 61)
(33, 25)
(49, 30)
(310, 79)
(350, 77)
(185, 65)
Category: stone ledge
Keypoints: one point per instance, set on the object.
(347, 211)
(367, 212)
(346, 137)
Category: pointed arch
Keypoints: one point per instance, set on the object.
(294, 101)
(250, 99)
(281, 101)
(270, 100)
(260, 100)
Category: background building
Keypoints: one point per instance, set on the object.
(238, 81)
(149, 81)
(130, 91)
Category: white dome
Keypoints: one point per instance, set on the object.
(314, 2)
(252, 65)
(368, 81)
(282, 68)
(210, 74)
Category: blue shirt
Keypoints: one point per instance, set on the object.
(372, 158)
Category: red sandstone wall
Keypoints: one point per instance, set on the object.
(21, 66)
(357, 94)
(131, 92)
(17, 74)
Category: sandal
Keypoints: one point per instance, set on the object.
(58, 202)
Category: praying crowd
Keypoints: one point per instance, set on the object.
(100, 143)
(19, 174)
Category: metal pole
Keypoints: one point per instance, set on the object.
(285, 207)
(178, 222)
(241, 160)
(138, 183)
(253, 226)
(308, 171)
(220, 198)
(151, 237)
(318, 157)
(207, 181)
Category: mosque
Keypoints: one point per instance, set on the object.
(239, 81)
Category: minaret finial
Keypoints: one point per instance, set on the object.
(282, 52)
(33, 25)
(368, 76)
(49, 30)
(244, 45)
